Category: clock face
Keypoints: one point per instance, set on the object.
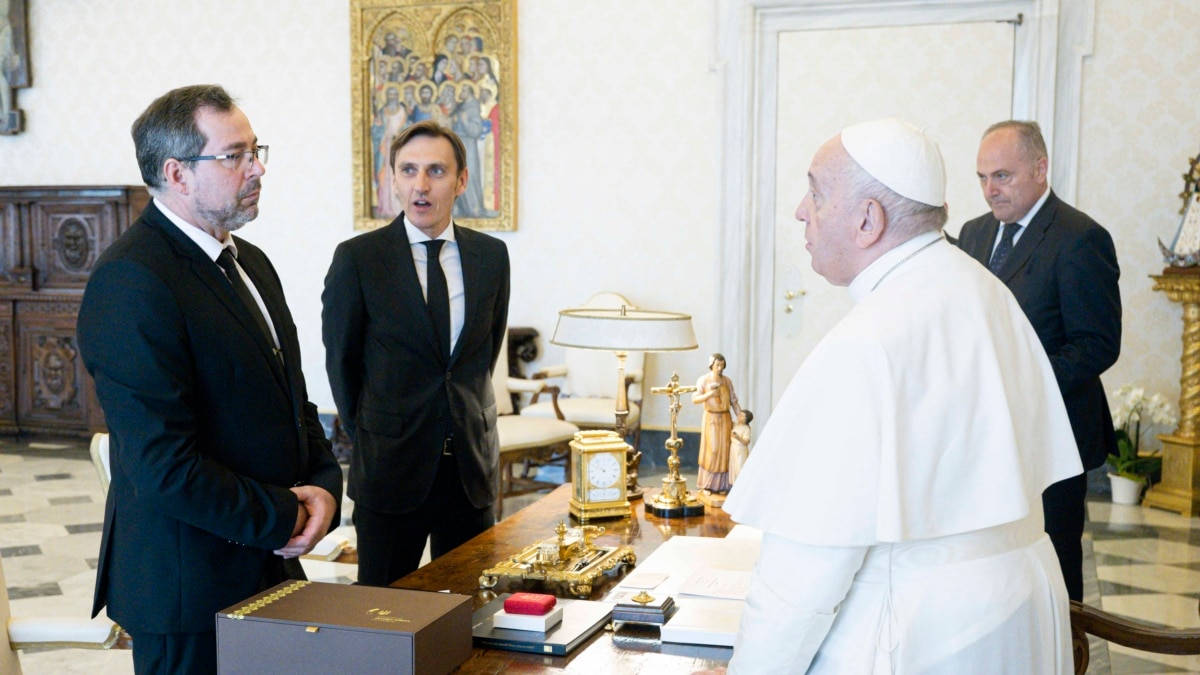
(603, 470)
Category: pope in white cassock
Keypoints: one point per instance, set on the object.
(926, 424)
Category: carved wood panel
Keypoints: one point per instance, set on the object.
(8, 383)
(14, 253)
(52, 382)
(67, 239)
(50, 239)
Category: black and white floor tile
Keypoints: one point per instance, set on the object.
(1139, 562)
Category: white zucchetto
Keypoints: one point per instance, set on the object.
(900, 156)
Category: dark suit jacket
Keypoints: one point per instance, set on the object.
(208, 429)
(393, 386)
(1063, 272)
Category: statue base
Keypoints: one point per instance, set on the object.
(1179, 490)
(674, 500)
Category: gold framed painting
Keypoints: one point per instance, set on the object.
(453, 61)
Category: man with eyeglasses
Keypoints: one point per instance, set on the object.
(221, 473)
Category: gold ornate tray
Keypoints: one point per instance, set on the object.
(568, 559)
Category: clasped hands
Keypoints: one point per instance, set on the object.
(313, 516)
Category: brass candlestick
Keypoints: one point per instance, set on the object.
(674, 500)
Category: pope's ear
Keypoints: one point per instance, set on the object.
(872, 226)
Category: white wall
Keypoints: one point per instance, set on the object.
(1139, 125)
(618, 141)
(619, 138)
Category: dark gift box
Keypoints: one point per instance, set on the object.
(311, 627)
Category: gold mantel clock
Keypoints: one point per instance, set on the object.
(598, 475)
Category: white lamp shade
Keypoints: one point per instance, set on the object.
(625, 330)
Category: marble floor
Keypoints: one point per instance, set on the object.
(1139, 562)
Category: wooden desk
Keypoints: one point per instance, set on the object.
(629, 650)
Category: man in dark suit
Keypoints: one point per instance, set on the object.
(221, 473)
(1062, 267)
(414, 315)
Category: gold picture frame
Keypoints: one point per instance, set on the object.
(454, 61)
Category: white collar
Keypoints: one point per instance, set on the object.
(416, 236)
(211, 247)
(869, 278)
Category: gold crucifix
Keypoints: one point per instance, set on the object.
(674, 500)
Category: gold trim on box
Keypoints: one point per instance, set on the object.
(252, 607)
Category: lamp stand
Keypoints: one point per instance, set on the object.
(633, 458)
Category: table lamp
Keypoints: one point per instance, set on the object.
(622, 331)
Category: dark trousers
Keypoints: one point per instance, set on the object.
(171, 653)
(1063, 504)
(390, 545)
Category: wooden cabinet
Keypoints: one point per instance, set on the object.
(50, 238)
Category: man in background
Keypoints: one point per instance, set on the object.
(1062, 267)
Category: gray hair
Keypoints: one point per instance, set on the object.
(1033, 146)
(906, 217)
(167, 128)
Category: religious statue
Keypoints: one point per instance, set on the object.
(739, 444)
(715, 392)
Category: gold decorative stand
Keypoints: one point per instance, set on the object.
(674, 500)
(1179, 490)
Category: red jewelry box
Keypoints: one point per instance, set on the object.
(529, 603)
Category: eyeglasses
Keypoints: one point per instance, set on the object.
(234, 160)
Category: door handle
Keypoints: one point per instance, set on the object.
(788, 295)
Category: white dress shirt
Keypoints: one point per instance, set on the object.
(451, 261)
(1021, 224)
(212, 248)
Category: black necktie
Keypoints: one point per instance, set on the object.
(225, 260)
(437, 295)
(1005, 248)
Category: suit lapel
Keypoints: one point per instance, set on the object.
(214, 279)
(397, 260)
(471, 266)
(1030, 240)
(262, 279)
(986, 241)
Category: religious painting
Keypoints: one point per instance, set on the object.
(451, 61)
(14, 63)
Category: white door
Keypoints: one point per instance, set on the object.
(951, 79)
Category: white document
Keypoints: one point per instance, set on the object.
(644, 580)
(713, 583)
(704, 621)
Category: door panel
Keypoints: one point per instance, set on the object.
(951, 79)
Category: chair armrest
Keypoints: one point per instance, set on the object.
(63, 632)
(1132, 633)
(553, 391)
(550, 371)
(523, 386)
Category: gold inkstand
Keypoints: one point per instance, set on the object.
(568, 559)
